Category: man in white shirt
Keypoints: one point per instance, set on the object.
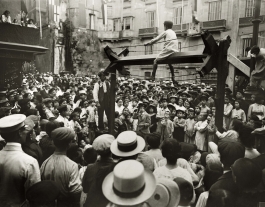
(18, 171)
(63, 110)
(101, 95)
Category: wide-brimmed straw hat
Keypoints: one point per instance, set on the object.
(129, 184)
(167, 194)
(127, 144)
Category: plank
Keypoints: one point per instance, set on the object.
(178, 57)
(238, 64)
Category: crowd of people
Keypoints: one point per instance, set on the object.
(57, 150)
(25, 22)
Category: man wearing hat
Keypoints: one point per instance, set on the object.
(101, 95)
(170, 47)
(129, 185)
(18, 171)
(59, 168)
(96, 172)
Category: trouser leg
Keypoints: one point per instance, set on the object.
(154, 69)
(100, 116)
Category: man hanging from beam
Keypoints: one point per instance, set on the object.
(170, 47)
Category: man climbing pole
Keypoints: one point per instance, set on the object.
(170, 47)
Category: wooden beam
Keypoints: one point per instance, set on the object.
(178, 57)
(113, 79)
(238, 64)
(222, 68)
(249, 30)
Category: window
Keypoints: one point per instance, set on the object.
(249, 11)
(148, 49)
(147, 75)
(109, 12)
(92, 21)
(246, 43)
(179, 46)
(116, 25)
(150, 16)
(177, 15)
(127, 23)
(215, 8)
(56, 13)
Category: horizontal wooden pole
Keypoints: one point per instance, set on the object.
(178, 57)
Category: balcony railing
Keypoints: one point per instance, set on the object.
(148, 32)
(178, 29)
(126, 34)
(17, 34)
(109, 35)
(215, 25)
(247, 21)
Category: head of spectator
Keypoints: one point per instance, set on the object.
(102, 145)
(63, 110)
(129, 184)
(43, 193)
(167, 194)
(246, 137)
(221, 198)
(12, 128)
(230, 151)
(90, 155)
(236, 125)
(171, 150)
(246, 173)
(127, 145)
(186, 191)
(50, 126)
(153, 140)
(62, 138)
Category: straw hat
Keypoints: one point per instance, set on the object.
(129, 184)
(127, 144)
(166, 194)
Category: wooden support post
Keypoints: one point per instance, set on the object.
(235, 4)
(112, 100)
(222, 68)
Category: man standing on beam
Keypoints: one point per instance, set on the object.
(170, 47)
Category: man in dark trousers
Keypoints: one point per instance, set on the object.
(101, 96)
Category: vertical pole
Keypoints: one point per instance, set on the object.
(235, 4)
(112, 100)
(256, 20)
(40, 21)
(222, 68)
(157, 13)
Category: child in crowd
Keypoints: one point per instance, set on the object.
(167, 127)
(197, 113)
(179, 123)
(152, 110)
(189, 127)
(201, 132)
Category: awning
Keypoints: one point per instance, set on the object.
(22, 47)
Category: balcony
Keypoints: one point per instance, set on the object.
(216, 25)
(17, 34)
(247, 21)
(127, 34)
(109, 35)
(148, 32)
(177, 28)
